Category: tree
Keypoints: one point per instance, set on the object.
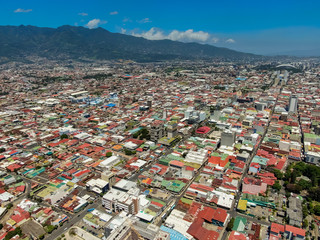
(10, 205)
(304, 184)
(64, 136)
(108, 154)
(314, 194)
(317, 210)
(312, 226)
(277, 173)
(230, 225)
(13, 233)
(294, 188)
(276, 186)
(305, 223)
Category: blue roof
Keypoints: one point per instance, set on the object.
(174, 235)
(241, 78)
(110, 105)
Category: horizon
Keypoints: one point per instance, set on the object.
(253, 27)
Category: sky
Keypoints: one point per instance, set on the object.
(256, 26)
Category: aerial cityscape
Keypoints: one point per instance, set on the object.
(160, 133)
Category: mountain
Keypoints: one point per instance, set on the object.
(68, 42)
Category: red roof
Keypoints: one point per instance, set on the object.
(156, 204)
(277, 228)
(296, 231)
(81, 173)
(237, 236)
(220, 215)
(176, 163)
(203, 130)
(197, 231)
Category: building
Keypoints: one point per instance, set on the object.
(228, 138)
(293, 104)
(117, 201)
(313, 157)
(172, 129)
(157, 130)
(109, 177)
(97, 185)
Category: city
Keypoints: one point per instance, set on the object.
(180, 150)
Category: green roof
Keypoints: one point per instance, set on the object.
(174, 186)
(186, 200)
(239, 224)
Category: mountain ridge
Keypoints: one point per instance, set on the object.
(79, 42)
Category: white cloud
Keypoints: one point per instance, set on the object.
(230, 40)
(126, 20)
(83, 14)
(114, 13)
(175, 35)
(145, 20)
(94, 23)
(21, 10)
(214, 40)
(123, 31)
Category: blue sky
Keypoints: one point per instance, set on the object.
(265, 27)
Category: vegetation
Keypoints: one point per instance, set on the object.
(50, 228)
(64, 136)
(316, 210)
(142, 134)
(67, 42)
(277, 173)
(10, 205)
(230, 224)
(300, 169)
(277, 186)
(108, 154)
(305, 223)
(13, 233)
(129, 152)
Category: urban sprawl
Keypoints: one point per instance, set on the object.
(160, 151)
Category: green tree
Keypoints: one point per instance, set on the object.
(230, 224)
(314, 193)
(316, 210)
(13, 233)
(305, 223)
(10, 205)
(304, 184)
(276, 186)
(64, 136)
(312, 226)
(277, 173)
(108, 154)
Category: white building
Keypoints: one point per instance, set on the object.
(198, 157)
(117, 201)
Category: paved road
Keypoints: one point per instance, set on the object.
(233, 212)
(56, 233)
